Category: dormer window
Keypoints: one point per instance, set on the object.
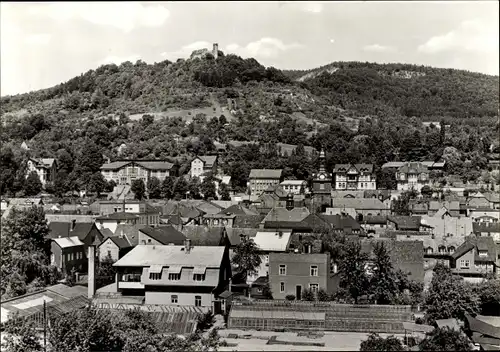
(483, 253)
(451, 250)
(442, 250)
(428, 250)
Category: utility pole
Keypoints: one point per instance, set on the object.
(44, 326)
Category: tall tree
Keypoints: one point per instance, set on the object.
(207, 187)
(352, 270)
(167, 187)
(21, 335)
(194, 188)
(449, 296)
(180, 188)
(154, 188)
(97, 183)
(401, 206)
(8, 168)
(138, 188)
(33, 184)
(224, 192)
(88, 162)
(247, 256)
(383, 282)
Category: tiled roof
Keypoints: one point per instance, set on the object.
(44, 162)
(234, 234)
(121, 242)
(374, 219)
(367, 168)
(150, 165)
(204, 235)
(477, 244)
(208, 160)
(356, 203)
(348, 194)
(164, 234)
(265, 173)
(450, 205)
(247, 221)
(272, 241)
(208, 207)
(25, 201)
(105, 232)
(118, 216)
(147, 255)
(310, 223)
(413, 168)
(492, 197)
(378, 193)
(342, 222)
(293, 182)
(131, 232)
(282, 214)
(63, 229)
(405, 222)
(66, 242)
(237, 209)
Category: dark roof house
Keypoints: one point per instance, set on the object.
(164, 234)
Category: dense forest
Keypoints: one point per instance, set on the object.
(357, 112)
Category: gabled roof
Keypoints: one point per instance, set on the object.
(477, 244)
(131, 232)
(247, 221)
(43, 162)
(411, 223)
(208, 160)
(294, 182)
(272, 241)
(164, 234)
(25, 201)
(348, 194)
(378, 193)
(66, 242)
(235, 235)
(121, 242)
(357, 203)
(237, 209)
(413, 168)
(266, 173)
(283, 214)
(147, 164)
(310, 223)
(118, 216)
(204, 235)
(365, 168)
(374, 219)
(450, 205)
(147, 255)
(63, 229)
(341, 222)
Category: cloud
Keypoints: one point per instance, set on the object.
(472, 35)
(377, 48)
(262, 48)
(38, 39)
(118, 59)
(122, 15)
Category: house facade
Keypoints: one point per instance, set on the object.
(293, 273)
(474, 258)
(113, 247)
(176, 275)
(124, 172)
(68, 253)
(354, 177)
(204, 164)
(412, 175)
(294, 186)
(45, 168)
(261, 179)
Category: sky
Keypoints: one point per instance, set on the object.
(44, 44)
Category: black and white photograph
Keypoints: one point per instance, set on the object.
(249, 176)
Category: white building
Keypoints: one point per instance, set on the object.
(294, 186)
(45, 168)
(354, 177)
(126, 171)
(412, 175)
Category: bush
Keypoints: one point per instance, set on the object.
(290, 297)
(205, 321)
(323, 296)
(377, 343)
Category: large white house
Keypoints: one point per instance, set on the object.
(412, 175)
(126, 171)
(45, 168)
(354, 177)
(204, 164)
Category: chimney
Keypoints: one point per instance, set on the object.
(187, 245)
(121, 234)
(215, 50)
(91, 274)
(73, 223)
(289, 202)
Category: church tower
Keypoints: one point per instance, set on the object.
(321, 185)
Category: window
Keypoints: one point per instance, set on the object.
(282, 269)
(199, 277)
(314, 270)
(174, 299)
(321, 186)
(109, 253)
(174, 277)
(451, 250)
(197, 301)
(155, 276)
(307, 249)
(465, 264)
(483, 253)
(314, 288)
(282, 287)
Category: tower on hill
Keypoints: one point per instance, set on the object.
(215, 51)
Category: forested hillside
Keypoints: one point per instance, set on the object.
(358, 112)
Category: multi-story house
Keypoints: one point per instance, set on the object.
(487, 229)
(161, 235)
(412, 175)
(124, 172)
(68, 253)
(294, 186)
(363, 206)
(261, 179)
(176, 275)
(126, 210)
(45, 168)
(354, 177)
(293, 273)
(86, 232)
(114, 247)
(203, 165)
(476, 257)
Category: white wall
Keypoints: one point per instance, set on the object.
(183, 299)
(110, 246)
